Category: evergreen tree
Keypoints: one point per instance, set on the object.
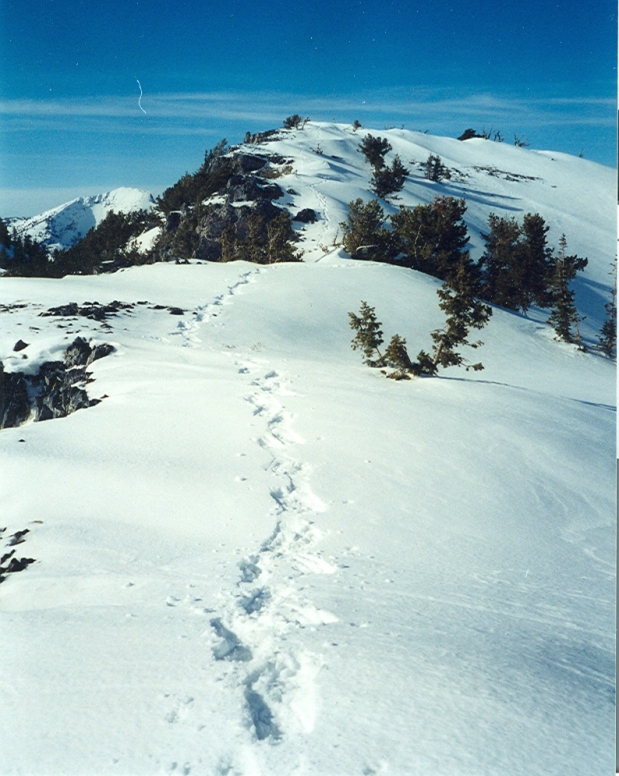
(501, 263)
(608, 332)
(396, 356)
(365, 233)
(389, 180)
(193, 189)
(5, 237)
(369, 336)
(433, 237)
(262, 242)
(564, 313)
(374, 149)
(517, 263)
(280, 235)
(435, 170)
(294, 122)
(229, 244)
(538, 261)
(464, 312)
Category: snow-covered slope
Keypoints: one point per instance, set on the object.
(575, 196)
(64, 225)
(258, 556)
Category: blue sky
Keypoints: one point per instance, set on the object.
(69, 70)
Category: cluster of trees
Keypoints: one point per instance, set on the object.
(295, 121)
(192, 189)
(21, 255)
(385, 181)
(608, 333)
(265, 241)
(518, 268)
(463, 310)
(103, 247)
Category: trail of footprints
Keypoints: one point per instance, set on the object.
(252, 632)
(188, 329)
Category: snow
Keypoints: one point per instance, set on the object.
(63, 226)
(258, 556)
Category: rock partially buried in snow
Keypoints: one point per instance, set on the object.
(55, 391)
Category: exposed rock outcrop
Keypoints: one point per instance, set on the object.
(57, 390)
(230, 198)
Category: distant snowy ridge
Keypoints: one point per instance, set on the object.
(64, 225)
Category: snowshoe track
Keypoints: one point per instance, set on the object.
(253, 631)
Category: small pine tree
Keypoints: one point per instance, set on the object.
(280, 234)
(464, 312)
(389, 180)
(435, 170)
(369, 336)
(564, 313)
(396, 356)
(374, 149)
(608, 332)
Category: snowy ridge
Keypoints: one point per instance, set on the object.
(573, 195)
(257, 556)
(64, 225)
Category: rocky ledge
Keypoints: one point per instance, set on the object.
(57, 390)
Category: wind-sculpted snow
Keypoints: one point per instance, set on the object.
(258, 556)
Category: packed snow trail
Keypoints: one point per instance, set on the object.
(252, 629)
(204, 313)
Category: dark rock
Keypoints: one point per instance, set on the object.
(64, 310)
(20, 345)
(176, 311)
(18, 565)
(92, 310)
(306, 216)
(249, 162)
(78, 353)
(18, 537)
(102, 350)
(15, 406)
(242, 188)
(293, 192)
(271, 191)
(6, 556)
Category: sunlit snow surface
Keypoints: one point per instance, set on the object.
(258, 556)
(64, 225)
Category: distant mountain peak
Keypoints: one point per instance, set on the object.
(63, 226)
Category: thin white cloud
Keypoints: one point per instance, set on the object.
(260, 107)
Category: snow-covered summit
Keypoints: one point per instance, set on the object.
(323, 166)
(64, 225)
